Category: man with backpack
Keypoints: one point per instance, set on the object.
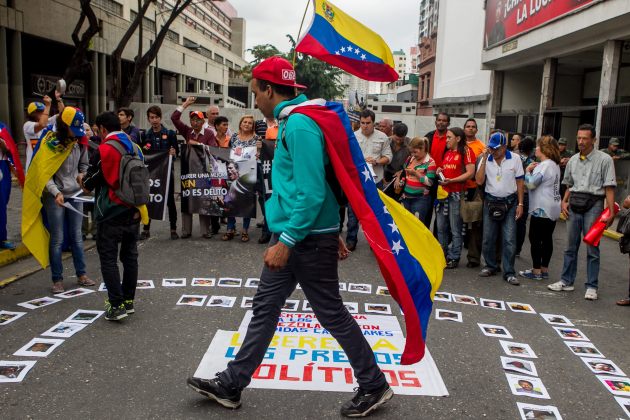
(303, 215)
(121, 182)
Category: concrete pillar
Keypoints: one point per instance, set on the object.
(197, 85)
(180, 83)
(102, 82)
(608, 81)
(15, 82)
(93, 97)
(546, 92)
(5, 115)
(496, 96)
(146, 83)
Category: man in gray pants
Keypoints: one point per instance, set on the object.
(303, 216)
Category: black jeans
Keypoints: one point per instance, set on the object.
(312, 264)
(521, 225)
(541, 240)
(110, 236)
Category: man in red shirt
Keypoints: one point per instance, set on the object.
(474, 229)
(437, 149)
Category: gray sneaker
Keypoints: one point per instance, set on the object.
(559, 286)
(591, 294)
(513, 281)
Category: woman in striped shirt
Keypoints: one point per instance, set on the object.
(416, 179)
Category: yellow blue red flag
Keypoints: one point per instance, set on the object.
(340, 40)
(409, 257)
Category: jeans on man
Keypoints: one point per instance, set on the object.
(419, 207)
(110, 236)
(449, 221)
(312, 264)
(353, 222)
(577, 226)
(56, 216)
(491, 229)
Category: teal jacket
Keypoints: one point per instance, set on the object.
(302, 203)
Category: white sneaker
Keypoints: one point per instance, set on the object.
(591, 294)
(559, 286)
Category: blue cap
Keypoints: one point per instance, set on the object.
(497, 140)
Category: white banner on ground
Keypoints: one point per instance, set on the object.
(314, 362)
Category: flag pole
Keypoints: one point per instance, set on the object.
(300, 32)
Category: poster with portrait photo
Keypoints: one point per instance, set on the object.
(291, 305)
(521, 307)
(617, 385)
(625, 404)
(84, 316)
(39, 347)
(252, 282)
(342, 286)
(229, 282)
(559, 320)
(444, 315)
(466, 300)
(517, 349)
(519, 365)
(492, 304)
(68, 294)
(352, 307)
(494, 330)
(583, 349)
(383, 291)
(378, 308)
(441, 297)
(64, 329)
(247, 302)
(221, 301)
(203, 281)
(15, 371)
(192, 300)
(306, 306)
(7, 317)
(179, 282)
(527, 386)
(568, 333)
(602, 366)
(535, 412)
(360, 288)
(145, 284)
(39, 303)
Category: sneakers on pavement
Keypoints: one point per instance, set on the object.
(559, 286)
(115, 313)
(363, 403)
(217, 391)
(591, 294)
(451, 264)
(513, 280)
(487, 272)
(529, 274)
(129, 306)
(57, 287)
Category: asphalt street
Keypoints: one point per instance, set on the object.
(138, 369)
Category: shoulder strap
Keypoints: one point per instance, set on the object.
(118, 146)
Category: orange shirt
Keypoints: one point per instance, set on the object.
(477, 147)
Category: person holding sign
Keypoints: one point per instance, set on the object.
(195, 135)
(303, 216)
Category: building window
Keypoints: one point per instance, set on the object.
(428, 95)
(147, 24)
(110, 6)
(218, 58)
(172, 36)
(205, 52)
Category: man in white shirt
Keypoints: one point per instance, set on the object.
(502, 173)
(211, 114)
(38, 119)
(375, 147)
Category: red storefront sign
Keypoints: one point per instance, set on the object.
(506, 19)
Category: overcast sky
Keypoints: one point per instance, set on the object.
(268, 21)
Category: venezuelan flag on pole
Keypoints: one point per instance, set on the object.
(14, 156)
(44, 165)
(339, 40)
(409, 257)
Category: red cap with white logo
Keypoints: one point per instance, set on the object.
(276, 70)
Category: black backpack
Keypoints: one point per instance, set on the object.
(133, 177)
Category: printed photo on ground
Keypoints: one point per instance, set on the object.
(202, 282)
(291, 305)
(74, 293)
(342, 286)
(252, 282)
(466, 300)
(359, 288)
(222, 301)
(39, 347)
(518, 365)
(229, 282)
(444, 315)
(38, 303)
(247, 302)
(382, 291)
(517, 349)
(84, 316)
(492, 304)
(527, 386)
(521, 307)
(7, 317)
(625, 404)
(174, 282)
(64, 329)
(306, 306)
(559, 320)
(616, 384)
(583, 349)
(441, 297)
(571, 334)
(352, 307)
(538, 412)
(378, 308)
(192, 300)
(602, 366)
(147, 284)
(14, 371)
(494, 331)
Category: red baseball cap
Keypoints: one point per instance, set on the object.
(197, 114)
(276, 70)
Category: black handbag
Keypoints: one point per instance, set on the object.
(623, 227)
(582, 202)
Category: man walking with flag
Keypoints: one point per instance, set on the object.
(303, 216)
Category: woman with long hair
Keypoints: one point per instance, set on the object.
(416, 178)
(245, 138)
(543, 182)
(458, 166)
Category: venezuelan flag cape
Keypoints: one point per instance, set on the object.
(409, 257)
(14, 156)
(339, 40)
(44, 165)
